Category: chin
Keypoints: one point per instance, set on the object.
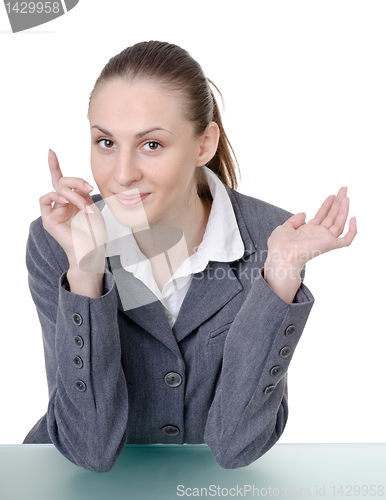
(132, 217)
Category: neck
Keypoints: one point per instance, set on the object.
(193, 226)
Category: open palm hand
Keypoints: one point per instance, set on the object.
(296, 242)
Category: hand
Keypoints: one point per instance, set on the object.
(74, 220)
(298, 242)
(294, 243)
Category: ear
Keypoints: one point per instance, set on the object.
(208, 144)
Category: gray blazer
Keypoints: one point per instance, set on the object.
(120, 376)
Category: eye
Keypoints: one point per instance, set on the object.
(108, 143)
(153, 145)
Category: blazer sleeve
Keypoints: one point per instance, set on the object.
(250, 407)
(88, 401)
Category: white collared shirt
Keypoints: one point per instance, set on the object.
(222, 242)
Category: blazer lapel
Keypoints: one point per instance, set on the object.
(140, 304)
(216, 286)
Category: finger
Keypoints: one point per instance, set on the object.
(329, 221)
(56, 173)
(75, 183)
(77, 199)
(337, 228)
(321, 214)
(295, 221)
(346, 240)
(46, 201)
(58, 180)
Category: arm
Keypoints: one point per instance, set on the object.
(250, 407)
(87, 420)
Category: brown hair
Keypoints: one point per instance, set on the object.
(174, 68)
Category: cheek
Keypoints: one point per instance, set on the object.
(99, 172)
(171, 178)
(175, 171)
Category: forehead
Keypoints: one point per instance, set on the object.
(137, 103)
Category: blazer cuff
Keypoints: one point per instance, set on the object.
(81, 330)
(302, 295)
(108, 282)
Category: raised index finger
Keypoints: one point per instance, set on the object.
(56, 173)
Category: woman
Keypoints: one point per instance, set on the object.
(170, 304)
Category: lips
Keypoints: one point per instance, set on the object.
(129, 200)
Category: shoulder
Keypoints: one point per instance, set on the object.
(43, 252)
(258, 215)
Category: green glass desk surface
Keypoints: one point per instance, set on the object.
(40, 472)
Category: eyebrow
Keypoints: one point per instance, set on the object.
(137, 136)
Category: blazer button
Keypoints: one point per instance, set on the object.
(290, 330)
(285, 352)
(275, 370)
(170, 430)
(77, 319)
(269, 389)
(78, 362)
(78, 341)
(80, 385)
(173, 379)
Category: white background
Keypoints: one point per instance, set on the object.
(304, 87)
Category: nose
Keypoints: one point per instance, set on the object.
(127, 170)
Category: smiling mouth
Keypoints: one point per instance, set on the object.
(130, 200)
